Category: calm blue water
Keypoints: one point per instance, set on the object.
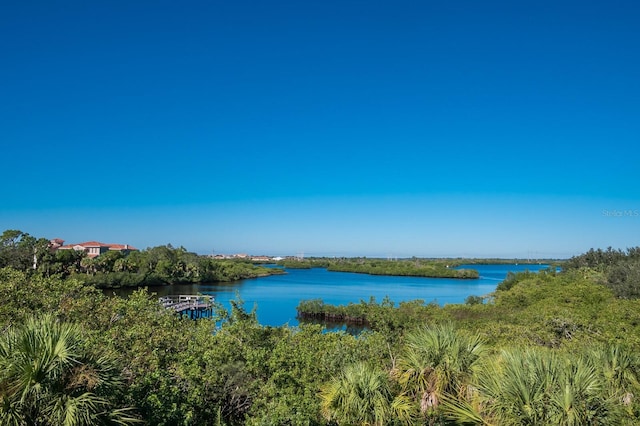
(277, 296)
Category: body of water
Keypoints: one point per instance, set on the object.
(277, 296)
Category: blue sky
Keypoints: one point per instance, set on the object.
(376, 128)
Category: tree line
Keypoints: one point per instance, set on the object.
(617, 269)
(153, 266)
(430, 268)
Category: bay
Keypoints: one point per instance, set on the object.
(277, 296)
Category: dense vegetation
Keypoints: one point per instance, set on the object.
(412, 267)
(305, 263)
(415, 267)
(153, 266)
(620, 270)
(547, 349)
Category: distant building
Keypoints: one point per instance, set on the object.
(55, 244)
(260, 258)
(242, 256)
(95, 248)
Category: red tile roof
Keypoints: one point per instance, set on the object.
(88, 244)
(91, 244)
(121, 247)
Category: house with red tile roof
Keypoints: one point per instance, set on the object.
(96, 248)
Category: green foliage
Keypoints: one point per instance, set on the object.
(385, 317)
(564, 344)
(62, 263)
(413, 267)
(48, 376)
(624, 278)
(547, 309)
(474, 300)
(153, 266)
(301, 361)
(601, 259)
(619, 367)
(406, 267)
(162, 265)
(152, 342)
(527, 387)
(304, 263)
(25, 295)
(436, 361)
(362, 395)
(620, 270)
(21, 251)
(166, 265)
(513, 279)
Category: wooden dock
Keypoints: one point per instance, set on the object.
(196, 306)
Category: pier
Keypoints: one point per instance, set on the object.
(196, 306)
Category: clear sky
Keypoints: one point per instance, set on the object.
(377, 128)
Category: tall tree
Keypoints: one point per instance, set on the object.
(16, 249)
